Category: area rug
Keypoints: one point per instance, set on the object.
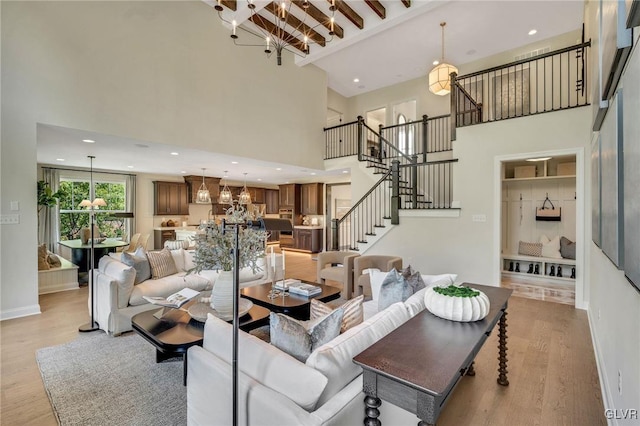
(101, 380)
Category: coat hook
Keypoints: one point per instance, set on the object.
(575, 196)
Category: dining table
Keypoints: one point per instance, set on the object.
(81, 252)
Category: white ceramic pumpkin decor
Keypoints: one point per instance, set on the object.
(472, 306)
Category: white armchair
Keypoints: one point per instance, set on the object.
(337, 266)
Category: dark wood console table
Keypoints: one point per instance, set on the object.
(417, 366)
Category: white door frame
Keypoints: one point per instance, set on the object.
(581, 301)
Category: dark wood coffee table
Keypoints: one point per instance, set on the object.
(294, 305)
(417, 366)
(175, 332)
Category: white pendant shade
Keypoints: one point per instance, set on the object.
(440, 79)
(245, 196)
(225, 196)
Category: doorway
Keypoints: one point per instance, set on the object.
(338, 196)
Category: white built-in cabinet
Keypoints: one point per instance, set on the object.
(525, 185)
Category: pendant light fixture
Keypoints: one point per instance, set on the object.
(440, 76)
(225, 195)
(245, 197)
(203, 196)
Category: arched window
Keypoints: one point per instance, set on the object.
(404, 144)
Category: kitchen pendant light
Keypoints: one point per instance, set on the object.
(203, 196)
(440, 76)
(245, 197)
(225, 195)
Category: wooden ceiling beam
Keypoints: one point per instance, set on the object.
(320, 17)
(270, 27)
(230, 4)
(298, 24)
(377, 7)
(349, 13)
(407, 3)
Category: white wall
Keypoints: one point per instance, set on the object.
(165, 72)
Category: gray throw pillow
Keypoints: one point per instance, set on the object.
(394, 289)
(140, 264)
(300, 338)
(414, 279)
(567, 248)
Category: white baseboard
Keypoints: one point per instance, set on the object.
(602, 373)
(25, 311)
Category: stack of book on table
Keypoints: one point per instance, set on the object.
(298, 287)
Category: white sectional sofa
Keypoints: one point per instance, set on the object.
(277, 389)
(118, 298)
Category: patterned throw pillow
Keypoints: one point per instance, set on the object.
(530, 249)
(162, 263)
(353, 312)
(43, 265)
(300, 338)
(414, 279)
(394, 289)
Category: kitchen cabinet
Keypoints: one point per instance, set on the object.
(290, 197)
(257, 195)
(194, 183)
(272, 200)
(162, 235)
(311, 198)
(308, 240)
(170, 198)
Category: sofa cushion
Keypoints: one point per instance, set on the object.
(353, 311)
(162, 263)
(334, 359)
(415, 303)
(168, 285)
(394, 289)
(125, 276)
(266, 364)
(138, 260)
(43, 265)
(174, 245)
(567, 248)
(178, 258)
(551, 248)
(300, 338)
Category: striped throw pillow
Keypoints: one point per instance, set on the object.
(530, 249)
(353, 312)
(162, 263)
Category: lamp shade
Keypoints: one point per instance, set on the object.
(99, 202)
(440, 79)
(85, 203)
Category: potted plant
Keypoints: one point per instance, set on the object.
(457, 303)
(215, 251)
(46, 198)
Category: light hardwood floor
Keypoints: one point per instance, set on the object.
(552, 372)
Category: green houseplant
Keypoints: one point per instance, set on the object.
(46, 198)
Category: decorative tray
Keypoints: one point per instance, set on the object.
(199, 311)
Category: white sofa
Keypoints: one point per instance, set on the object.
(277, 389)
(118, 299)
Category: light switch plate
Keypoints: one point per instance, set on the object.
(10, 219)
(15, 206)
(479, 218)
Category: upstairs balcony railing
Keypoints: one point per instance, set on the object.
(549, 82)
(420, 137)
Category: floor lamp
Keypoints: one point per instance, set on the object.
(92, 206)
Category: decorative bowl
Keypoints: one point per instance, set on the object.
(472, 306)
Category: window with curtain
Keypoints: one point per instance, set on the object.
(73, 217)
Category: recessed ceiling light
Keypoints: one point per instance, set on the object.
(278, 168)
(345, 171)
(259, 180)
(59, 159)
(356, 80)
(131, 167)
(313, 173)
(88, 140)
(234, 162)
(141, 145)
(183, 171)
(533, 31)
(539, 159)
(436, 62)
(174, 153)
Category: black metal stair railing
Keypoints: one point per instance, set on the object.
(550, 82)
(402, 186)
(341, 140)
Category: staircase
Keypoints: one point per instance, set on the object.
(406, 181)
